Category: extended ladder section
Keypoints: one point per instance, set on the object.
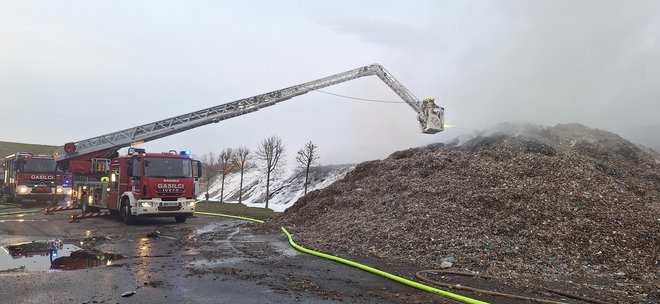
(429, 115)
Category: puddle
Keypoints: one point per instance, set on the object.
(217, 226)
(204, 263)
(209, 228)
(45, 256)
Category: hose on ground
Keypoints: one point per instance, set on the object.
(446, 294)
(422, 276)
(460, 298)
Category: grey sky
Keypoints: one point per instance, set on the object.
(71, 70)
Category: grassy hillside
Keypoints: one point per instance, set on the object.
(235, 209)
(8, 148)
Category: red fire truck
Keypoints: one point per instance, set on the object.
(34, 177)
(137, 185)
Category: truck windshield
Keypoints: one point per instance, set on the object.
(36, 165)
(167, 167)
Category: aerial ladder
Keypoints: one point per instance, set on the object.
(429, 115)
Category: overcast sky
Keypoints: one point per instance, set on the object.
(70, 70)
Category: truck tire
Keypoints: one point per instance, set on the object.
(129, 219)
(180, 218)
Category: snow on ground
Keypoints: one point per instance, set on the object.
(285, 189)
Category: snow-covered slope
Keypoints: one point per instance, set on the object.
(285, 190)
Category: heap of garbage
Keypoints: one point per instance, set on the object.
(526, 201)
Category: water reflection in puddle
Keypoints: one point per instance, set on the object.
(81, 259)
(43, 256)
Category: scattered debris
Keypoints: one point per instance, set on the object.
(56, 245)
(128, 294)
(153, 234)
(154, 284)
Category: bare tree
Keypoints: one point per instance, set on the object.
(226, 166)
(307, 156)
(210, 170)
(270, 152)
(240, 159)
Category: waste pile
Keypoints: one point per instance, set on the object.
(529, 201)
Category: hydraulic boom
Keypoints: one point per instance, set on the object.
(429, 115)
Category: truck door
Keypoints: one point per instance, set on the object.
(113, 194)
(135, 172)
(197, 173)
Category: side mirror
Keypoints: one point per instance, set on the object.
(199, 169)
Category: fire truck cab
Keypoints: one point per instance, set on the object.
(141, 185)
(34, 177)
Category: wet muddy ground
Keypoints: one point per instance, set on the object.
(205, 260)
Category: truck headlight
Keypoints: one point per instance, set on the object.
(146, 204)
(23, 189)
(190, 203)
(68, 191)
(59, 190)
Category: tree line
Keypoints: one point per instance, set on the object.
(268, 157)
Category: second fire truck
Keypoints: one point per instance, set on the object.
(34, 177)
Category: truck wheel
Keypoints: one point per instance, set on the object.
(126, 215)
(180, 219)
